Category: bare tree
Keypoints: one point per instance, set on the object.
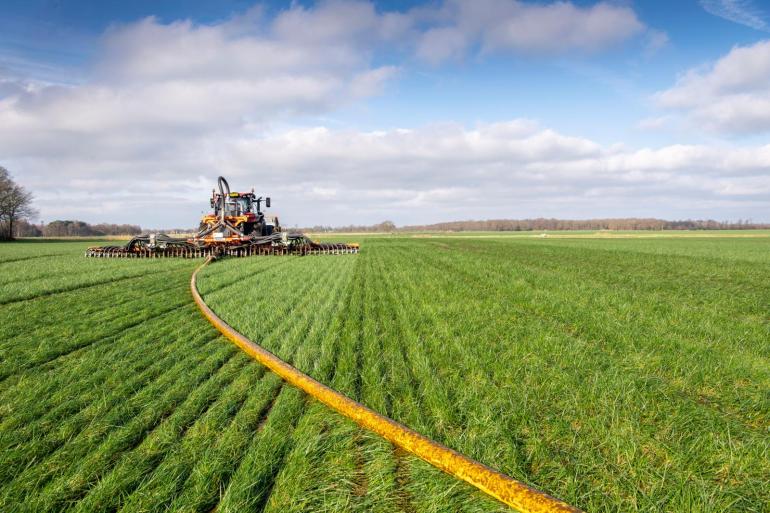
(15, 203)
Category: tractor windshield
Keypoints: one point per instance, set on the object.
(244, 205)
(237, 206)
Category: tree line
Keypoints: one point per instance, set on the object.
(631, 223)
(15, 205)
(74, 229)
(540, 224)
(16, 212)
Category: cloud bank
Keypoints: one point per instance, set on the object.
(510, 169)
(731, 96)
(504, 25)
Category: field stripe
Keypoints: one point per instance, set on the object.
(72, 288)
(509, 491)
(21, 259)
(47, 359)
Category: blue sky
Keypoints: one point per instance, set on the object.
(356, 112)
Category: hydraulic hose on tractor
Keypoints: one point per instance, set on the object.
(516, 494)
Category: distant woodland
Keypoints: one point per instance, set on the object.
(540, 224)
(24, 228)
(74, 229)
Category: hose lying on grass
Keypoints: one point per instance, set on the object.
(503, 488)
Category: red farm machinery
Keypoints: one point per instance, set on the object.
(237, 226)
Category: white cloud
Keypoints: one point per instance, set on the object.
(459, 26)
(743, 12)
(732, 95)
(431, 173)
(159, 88)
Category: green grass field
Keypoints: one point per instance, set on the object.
(628, 374)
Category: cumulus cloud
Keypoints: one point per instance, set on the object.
(732, 95)
(510, 25)
(743, 12)
(321, 176)
(156, 87)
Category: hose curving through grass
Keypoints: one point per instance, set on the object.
(516, 494)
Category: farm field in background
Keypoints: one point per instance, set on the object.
(619, 374)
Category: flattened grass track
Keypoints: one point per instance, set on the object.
(618, 375)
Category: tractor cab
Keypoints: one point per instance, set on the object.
(236, 216)
(235, 204)
(238, 203)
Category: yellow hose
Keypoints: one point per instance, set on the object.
(503, 488)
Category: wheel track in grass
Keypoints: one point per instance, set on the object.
(273, 476)
(296, 333)
(403, 477)
(390, 316)
(51, 255)
(396, 298)
(505, 489)
(116, 311)
(389, 485)
(52, 359)
(168, 453)
(147, 369)
(303, 457)
(401, 473)
(71, 487)
(74, 288)
(299, 333)
(331, 364)
(55, 463)
(261, 421)
(404, 320)
(360, 478)
(403, 325)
